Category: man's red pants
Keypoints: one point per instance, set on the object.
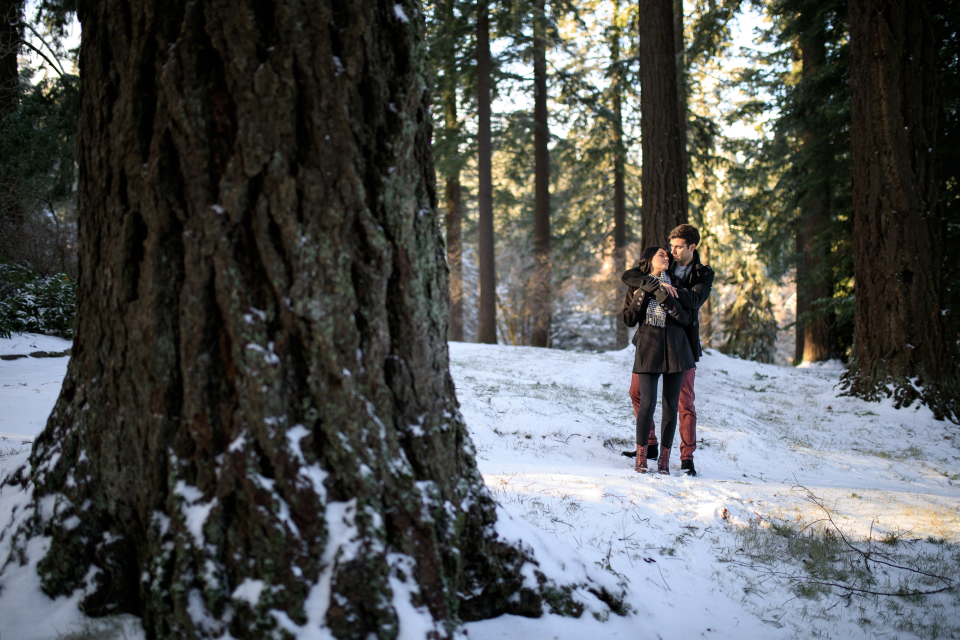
(687, 414)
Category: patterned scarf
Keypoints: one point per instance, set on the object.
(656, 316)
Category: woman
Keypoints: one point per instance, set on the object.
(662, 349)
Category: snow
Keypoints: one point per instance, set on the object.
(29, 387)
(548, 427)
(400, 13)
(195, 511)
(249, 591)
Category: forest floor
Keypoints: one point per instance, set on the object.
(813, 515)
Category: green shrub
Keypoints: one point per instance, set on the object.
(32, 303)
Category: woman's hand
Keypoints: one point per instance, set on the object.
(669, 288)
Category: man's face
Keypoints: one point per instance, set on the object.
(682, 252)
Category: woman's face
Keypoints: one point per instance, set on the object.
(660, 261)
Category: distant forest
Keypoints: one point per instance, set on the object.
(569, 135)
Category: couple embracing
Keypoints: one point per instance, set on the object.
(665, 293)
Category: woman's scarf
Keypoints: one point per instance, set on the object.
(656, 316)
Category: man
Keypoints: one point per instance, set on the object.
(692, 283)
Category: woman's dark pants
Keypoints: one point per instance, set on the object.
(648, 404)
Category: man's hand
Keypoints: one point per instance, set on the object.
(669, 288)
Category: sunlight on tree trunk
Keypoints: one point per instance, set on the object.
(818, 286)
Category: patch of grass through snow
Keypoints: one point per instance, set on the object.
(886, 582)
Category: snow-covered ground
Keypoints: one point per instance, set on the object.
(774, 444)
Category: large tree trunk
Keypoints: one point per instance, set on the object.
(454, 208)
(901, 347)
(487, 329)
(541, 289)
(817, 332)
(619, 179)
(663, 180)
(258, 432)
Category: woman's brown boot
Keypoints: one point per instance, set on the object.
(663, 462)
(641, 462)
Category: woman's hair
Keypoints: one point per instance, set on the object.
(646, 258)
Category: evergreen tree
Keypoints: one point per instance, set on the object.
(903, 346)
(792, 187)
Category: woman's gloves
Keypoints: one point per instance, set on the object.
(648, 284)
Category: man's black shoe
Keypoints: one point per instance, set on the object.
(629, 454)
(653, 452)
(687, 468)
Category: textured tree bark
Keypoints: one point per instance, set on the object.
(818, 338)
(619, 181)
(454, 219)
(258, 433)
(901, 347)
(663, 180)
(542, 285)
(487, 329)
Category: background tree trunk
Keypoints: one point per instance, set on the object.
(817, 339)
(258, 429)
(619, 184)
(663, 180)
(454, 220)
(678, 49)
(801, 283)
(487, 325)
(10, 205)
(542, 285)
(455, 256)
(10, 31)
(901, 307)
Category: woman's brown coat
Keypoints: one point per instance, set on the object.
(659, 349)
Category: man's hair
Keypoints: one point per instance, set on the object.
(688, 233)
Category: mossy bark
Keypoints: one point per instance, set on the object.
(258, 432)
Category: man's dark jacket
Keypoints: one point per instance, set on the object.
(692, 292)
